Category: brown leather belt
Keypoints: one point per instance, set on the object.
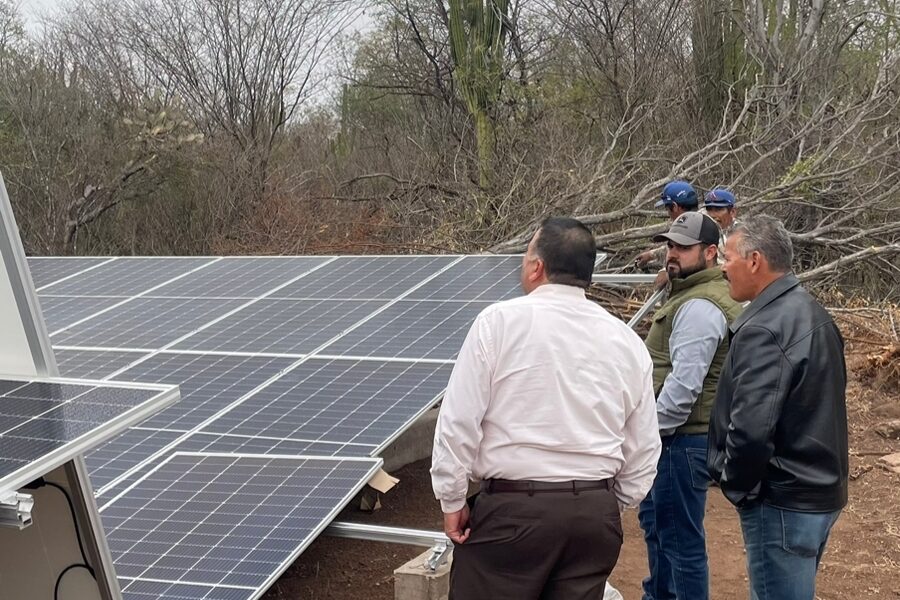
(494, 486)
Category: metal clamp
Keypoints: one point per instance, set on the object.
(15, 510)
(440, 552)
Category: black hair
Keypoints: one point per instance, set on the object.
(568, 250)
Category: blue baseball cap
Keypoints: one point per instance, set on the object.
(677, 192)
(719, 198)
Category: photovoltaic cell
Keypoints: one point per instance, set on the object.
(237, 277)
(338, 401)
(41, 419)
(62, 311)
(411, 329)
(125, 277)
(208, 383)
(145, 323)
(225, 520)
(366, 277)
(92, 364)
(280, 326)
(487, 278)
(48, 269)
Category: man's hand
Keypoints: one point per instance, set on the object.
(644, 257)
(456, 525)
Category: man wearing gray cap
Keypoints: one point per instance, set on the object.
(688, 345)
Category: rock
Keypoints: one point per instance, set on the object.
(889, 429)
(891, 462)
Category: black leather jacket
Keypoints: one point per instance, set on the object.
(778, 430)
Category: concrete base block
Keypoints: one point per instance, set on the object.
(413, 581)
(415, 443)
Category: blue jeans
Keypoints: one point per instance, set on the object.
(784, 548)
(672, 519)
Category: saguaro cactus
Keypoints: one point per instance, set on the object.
(478, 31)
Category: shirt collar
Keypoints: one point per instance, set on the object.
(777, 288)
(558, 289)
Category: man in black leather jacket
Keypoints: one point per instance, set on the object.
(778, 430)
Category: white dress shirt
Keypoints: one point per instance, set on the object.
(548, 387)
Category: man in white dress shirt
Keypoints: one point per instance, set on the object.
(551, 407)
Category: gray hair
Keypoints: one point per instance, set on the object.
(766, 235)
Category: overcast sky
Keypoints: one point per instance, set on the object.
(32, 10)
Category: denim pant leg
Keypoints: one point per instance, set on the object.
(784, 548)
(677, 551)
(658, 585)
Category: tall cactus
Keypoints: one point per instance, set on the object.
(478, 32)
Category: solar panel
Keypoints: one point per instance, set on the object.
(241, 277)
(138, 589)
(93, 364)
(107, 466)
(365, 402)
(145, 323)
(409, 329)
(62, 311)
(47, 270)
(126, 276)
(366, 277)
(208, 383)
(280, 326)
(488, 278)
(45, 423)
(227, 521)
(125, 451)
(242, 444)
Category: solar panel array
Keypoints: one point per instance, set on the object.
(295, 374)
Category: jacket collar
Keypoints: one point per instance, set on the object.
(777, 288)
(705, 276)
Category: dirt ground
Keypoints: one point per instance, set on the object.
(862, 561)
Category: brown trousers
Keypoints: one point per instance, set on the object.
(545, 546)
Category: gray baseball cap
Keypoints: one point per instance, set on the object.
(690, 229)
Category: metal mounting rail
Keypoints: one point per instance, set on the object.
(646, 308)
(436, 540)
(624, 278)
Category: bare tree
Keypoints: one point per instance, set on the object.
(242, 67)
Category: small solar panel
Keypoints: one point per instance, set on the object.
(365, 402)
(62, 311)
(48, 269)
(280, 326)
(93, 364)
(45, 423)
(126, 276)
(366, 277)
(487, 278)
(410, 329)
(227, 521)
(145, 323)
(238, 277)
